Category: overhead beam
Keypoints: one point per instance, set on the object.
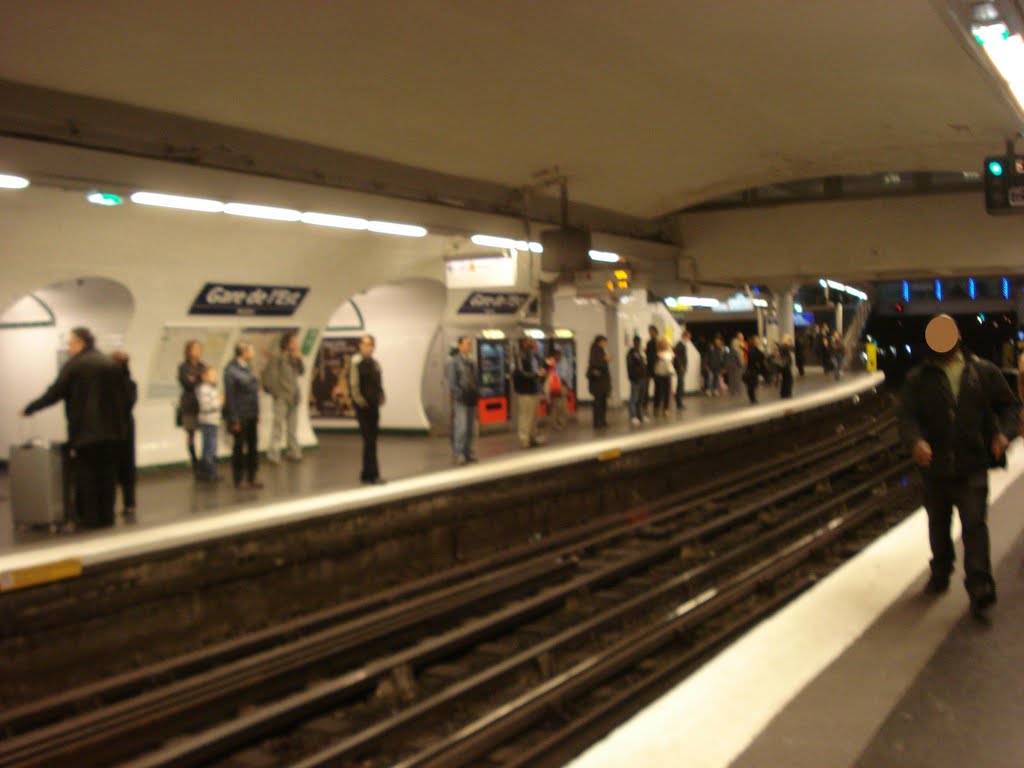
(40, 114)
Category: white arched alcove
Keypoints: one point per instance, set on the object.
(404, 317)
(33, 341)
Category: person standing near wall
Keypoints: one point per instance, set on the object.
(464, 384)
(210, 404)
(190, 373)
(527, 381)
(679, 362)
(651, 355)
(281, 381)
(367, 386)
(636, 369)
(756, 367)
(555, 394)
(242, 414)
(126, 469)
(786, 367)
(958, 415)
(599, 378)
(662, 377)
(92, 388)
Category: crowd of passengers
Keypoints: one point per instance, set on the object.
(99, 395)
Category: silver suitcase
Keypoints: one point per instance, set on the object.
(37, 472)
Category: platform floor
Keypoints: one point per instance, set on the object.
(862, 670)
(171, 494)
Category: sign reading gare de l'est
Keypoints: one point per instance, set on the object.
(231, 299)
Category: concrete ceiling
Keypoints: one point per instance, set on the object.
(648, 106)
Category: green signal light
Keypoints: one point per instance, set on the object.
(995, 168)
(104, 198)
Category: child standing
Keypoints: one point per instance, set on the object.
(210, 403)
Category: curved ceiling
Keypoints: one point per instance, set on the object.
(647, 106)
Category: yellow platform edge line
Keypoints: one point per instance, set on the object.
(58, 570)
(611, 453)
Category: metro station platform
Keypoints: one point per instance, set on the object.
(862, 670)
(174, 511)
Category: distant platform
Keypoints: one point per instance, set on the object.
(175, 511)
(862, 670)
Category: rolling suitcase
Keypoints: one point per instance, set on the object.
(38, 470)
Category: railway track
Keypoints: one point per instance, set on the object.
(410, 676)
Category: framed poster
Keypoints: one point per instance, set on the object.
(329, 395)
(163, 380)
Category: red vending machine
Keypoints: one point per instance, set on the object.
(492, 362)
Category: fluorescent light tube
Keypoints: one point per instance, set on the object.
(506, 242)
(262, 212)
(176, 201)
(605, 256)
(330, 220)
(12, 182)
(390, 228)
(696, 301)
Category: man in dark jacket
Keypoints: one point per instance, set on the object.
(464, 385)
(126, 472)
(367, 387)
(679, 362)
(242, 414)
(90, 384)
(651, 354)
(957, 416)
(599, 378)
(756, 367)
(528, 383)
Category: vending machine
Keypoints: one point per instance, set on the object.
(492, 362)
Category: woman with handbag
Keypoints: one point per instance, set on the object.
(190, 374)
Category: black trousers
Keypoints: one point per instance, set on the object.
(751, 380)
(680, 387)
(369, 428)
(786, 390)
(600, 411)
(126, 472)
(662, 387)
(95, 478)
(244, 457)
(970, 496)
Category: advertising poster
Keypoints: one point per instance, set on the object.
(329, 396)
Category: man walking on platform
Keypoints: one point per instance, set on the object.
(367, 387)
(465, 388)
(679, 363)
(957, 416)
(281, 381)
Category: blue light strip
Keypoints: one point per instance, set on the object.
(938, 290)
(1006, 287)
(971, 288)
(906, 290)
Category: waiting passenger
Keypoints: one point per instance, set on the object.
(464, 384)
(957, 416)
(599, 379)
(555, 394)
(126, 470)
(281, 381)
(636, 369)
(367, 386)
(527, 381)
(838, 350)
(716, 362)
(242, 414)
(210, 404)
(651, 354)
(679, 364)
(91, 386)
(799, 353)
(786, 366)
(190, 373)
(662, 377)
(756, 367)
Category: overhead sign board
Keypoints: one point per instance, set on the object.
(488, 303)
(231, 299)
(488, 271)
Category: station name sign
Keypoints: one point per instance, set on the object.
(484, 303)
(230, 299)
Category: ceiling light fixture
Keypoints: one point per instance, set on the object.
(176, 201)
(605, 256)
(108, 199)
(693, 301)
(8, 181)
(1005, 51)
(506, 242)
(262, 212)
(330, 220)
(390, 228)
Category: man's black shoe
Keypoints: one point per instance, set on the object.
(936, 585)
(980, 605)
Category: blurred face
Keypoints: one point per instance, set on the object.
(602, 343)
(195, 351)
(653, 332)
(248, 352)
(210, 375)
(293, 346)
(75, 345)
(366, 346)
(465, 346)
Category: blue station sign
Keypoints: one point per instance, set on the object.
(231, 299)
